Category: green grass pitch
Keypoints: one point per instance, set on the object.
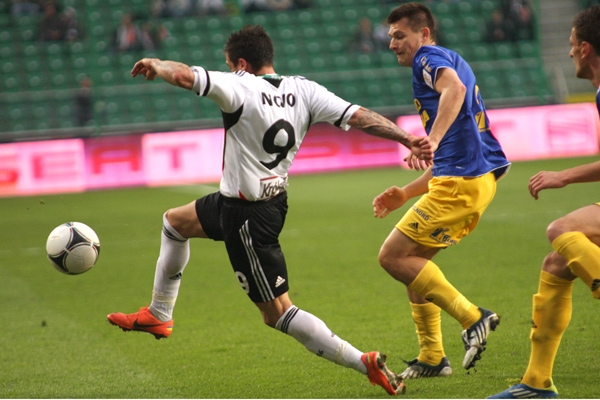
(56, 342)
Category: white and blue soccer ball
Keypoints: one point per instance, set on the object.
(73, 248)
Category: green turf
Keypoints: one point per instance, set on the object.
(56, 342)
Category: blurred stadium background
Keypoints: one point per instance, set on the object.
(58, 347)
(40, 79)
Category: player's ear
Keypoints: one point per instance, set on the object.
(244, 65)
(426, 33)
(585, 49)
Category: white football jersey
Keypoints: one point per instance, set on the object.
(265, 120)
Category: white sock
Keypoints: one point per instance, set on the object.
(319, 339)
(173, 257)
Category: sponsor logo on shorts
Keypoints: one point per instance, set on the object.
(439, 235)
(280, 281)
(421, 213)
(414, 226)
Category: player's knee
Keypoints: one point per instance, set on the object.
(553, 262)
(557, 228)
(183, 220)
(386, 260)
(171, 217)
(170, 220)
(273, 310)
(270, 319)
(556, 265)
(269, 322)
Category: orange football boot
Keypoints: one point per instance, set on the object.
(142, 321)
(379, 374)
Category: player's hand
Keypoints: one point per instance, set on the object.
(144, 67)
(388, 201)
(421, 148)
(421, 153)
(414, 162)
(545, 180)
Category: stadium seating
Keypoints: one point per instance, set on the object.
(310, 42)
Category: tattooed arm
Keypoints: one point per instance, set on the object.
(375, 124)
(175, 73)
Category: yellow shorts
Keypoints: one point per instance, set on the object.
(449, 211)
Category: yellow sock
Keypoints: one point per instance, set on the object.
(432, 284)
(428, 320)
(552, 308)
(583, 258)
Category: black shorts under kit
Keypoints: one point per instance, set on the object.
(250, 230)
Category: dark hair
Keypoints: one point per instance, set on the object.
(419, 16)
(586, 25)
(253, 44)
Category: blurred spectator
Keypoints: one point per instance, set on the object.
(52, 25)
(300, 4)
(172, 8)
(72, 29)
(274, 5)
(161, 34)
(519, 18)
(158, 9)
(398, 2)
(363, 39)
(279, 5)
(147, 37)
(180, 8)
(512, 8)
(211, 7)
(20, 7)
(381, 35)
(498, 28)
(83, 102)
(249, 6)
(524, 24)
(152, 37)
(127, 35)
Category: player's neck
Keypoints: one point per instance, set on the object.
(595, 71)
(266, 71)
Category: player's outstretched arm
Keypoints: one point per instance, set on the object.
(375, 124)
(395, 197)
(558, 179)
(175, 73)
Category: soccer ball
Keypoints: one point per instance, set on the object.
(73, 248)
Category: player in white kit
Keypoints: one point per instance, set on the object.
(266, 117)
